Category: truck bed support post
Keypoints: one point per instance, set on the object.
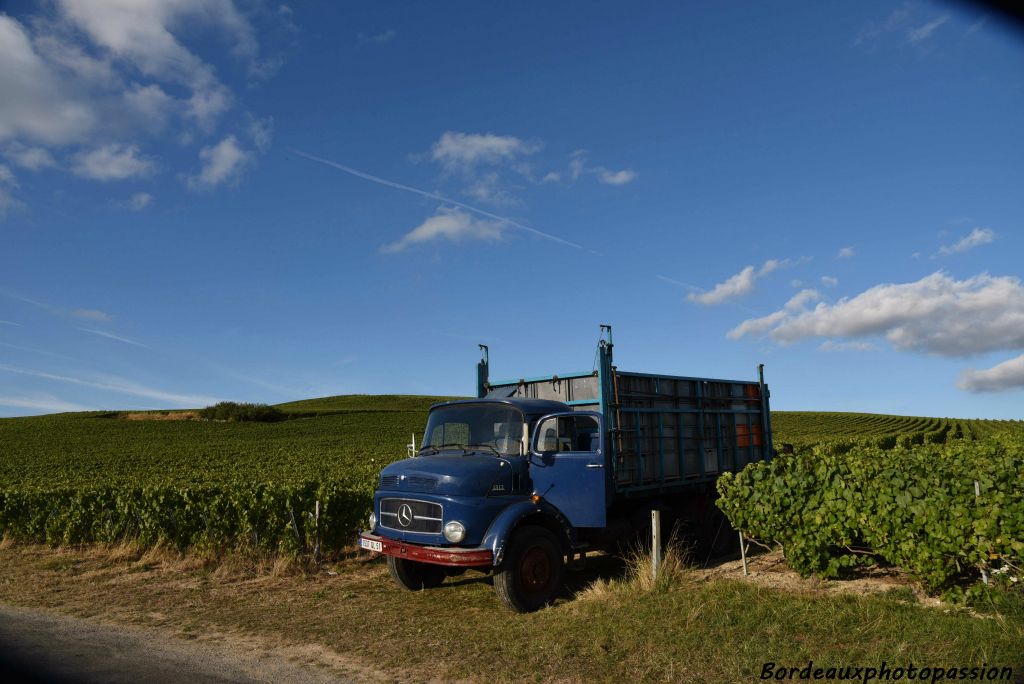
(655, 543)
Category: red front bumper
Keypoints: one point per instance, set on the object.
(438, 555)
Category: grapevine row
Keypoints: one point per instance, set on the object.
(914, 506)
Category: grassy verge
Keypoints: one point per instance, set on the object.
(610, 626)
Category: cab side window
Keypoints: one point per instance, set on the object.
(569, 433)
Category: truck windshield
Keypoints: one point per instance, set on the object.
(490, 427)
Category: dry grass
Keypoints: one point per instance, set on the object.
(161, 415)
(681, 626)
(676, 571)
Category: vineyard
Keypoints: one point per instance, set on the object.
(941, 498)
(859, 487)
(804, 429)
(298, 485)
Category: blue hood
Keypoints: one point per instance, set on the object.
(450, 473)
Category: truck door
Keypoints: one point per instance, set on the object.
(567, 465)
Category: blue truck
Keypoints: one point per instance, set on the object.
(536, 472)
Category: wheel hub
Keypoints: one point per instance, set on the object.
(535, 569)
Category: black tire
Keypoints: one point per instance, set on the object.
(413, 575)
(531, 574)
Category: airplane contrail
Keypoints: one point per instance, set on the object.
(433, 195)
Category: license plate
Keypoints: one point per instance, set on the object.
(371, 545)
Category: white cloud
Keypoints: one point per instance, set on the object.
(463, 151)
(487, 187)
(846, 252)
(802, 299)
(140, 31)
(7, 183)
(737, 285)
(262, 132)
(376, 38)
(1003, 376)
(906, 21)
(36, 103)
(734, 286)
(450, 224)
(206, 105)
(551, 177)
(58, 48)
(616, 177)
(577, 163)
(41, 402)
(757, 326)
(504, 220)
(829, 281)
(936, 314)
(484, 162)
(66, 79)
(7, 201)
(118, 385)
(976, 26)
(578, 166)
(874, 30)
(136, 202)
(830, 346)
(82, 71)
(222, 163)
(922, 33)
(33, 350)
(150, 105)
(31, 158)
(113, 161)
(92, 314)
(978, 236)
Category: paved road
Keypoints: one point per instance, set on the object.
(43, 647)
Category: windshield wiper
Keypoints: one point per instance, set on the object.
(487, 446)
(438, 447)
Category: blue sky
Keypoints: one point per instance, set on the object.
(265, 202)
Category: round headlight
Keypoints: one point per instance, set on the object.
(454, 531)
(373, 522)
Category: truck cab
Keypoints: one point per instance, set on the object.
(496, 483)
(535, 472)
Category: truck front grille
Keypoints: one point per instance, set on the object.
(411, 515)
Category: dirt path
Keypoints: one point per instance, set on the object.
(41, 646)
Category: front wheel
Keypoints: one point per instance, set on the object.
(532, 572)
(413, 575)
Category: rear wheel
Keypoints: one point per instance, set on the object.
(532, 572)
(413, 575)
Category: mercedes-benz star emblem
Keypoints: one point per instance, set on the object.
(405, 515)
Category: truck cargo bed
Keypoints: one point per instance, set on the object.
(664, 432)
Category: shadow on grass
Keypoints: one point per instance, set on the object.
(599, 567)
